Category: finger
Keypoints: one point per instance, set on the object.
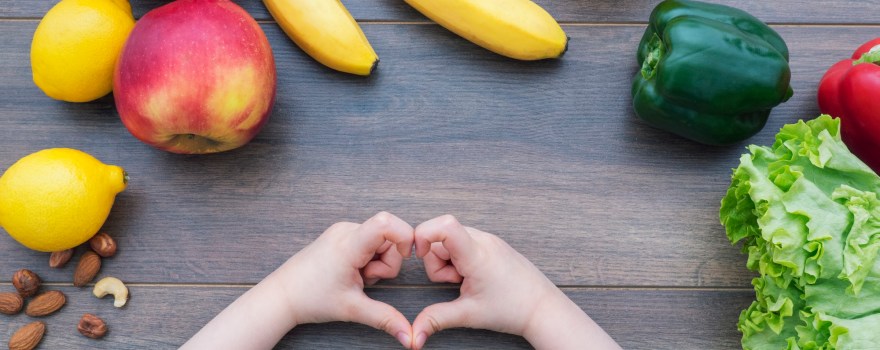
(385, 267)
(439, 269)
(447, 230)
(383, 317)
(438, 317)
(370, 281)
(384, 227)
(384, 247)
(440, 251)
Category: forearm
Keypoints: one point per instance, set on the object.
(258, 319)
(561, 324)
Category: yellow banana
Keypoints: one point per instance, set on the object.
(325, 30)
(517, 29)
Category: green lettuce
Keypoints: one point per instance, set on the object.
(808, 215)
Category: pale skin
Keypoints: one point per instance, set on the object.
(500, 290)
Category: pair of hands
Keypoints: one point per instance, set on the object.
(501, 290)
(326, 279)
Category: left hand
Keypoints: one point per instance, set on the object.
(325, 281)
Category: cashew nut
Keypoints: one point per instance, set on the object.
(112, 285)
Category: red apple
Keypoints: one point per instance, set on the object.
(195, 76)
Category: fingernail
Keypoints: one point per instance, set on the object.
(404, 339)
(420, 341)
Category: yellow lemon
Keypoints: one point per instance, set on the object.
(76, 45)
(57, 198)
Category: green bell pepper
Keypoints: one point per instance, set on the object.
(710, 73)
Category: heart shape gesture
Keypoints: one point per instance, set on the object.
(500, 289)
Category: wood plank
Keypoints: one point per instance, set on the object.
(601, 11)
(163, 317)
(548, 155)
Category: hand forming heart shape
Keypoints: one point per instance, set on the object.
(500, 289)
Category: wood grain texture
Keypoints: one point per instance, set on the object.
(163, 317)
(547, 155)
(594, 11)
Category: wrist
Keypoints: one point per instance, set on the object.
(559, 323)
(253, 321)
(286, 287)
(275, 289)
(555, 322)
(544, 316)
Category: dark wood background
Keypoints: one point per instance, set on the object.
(548, 155)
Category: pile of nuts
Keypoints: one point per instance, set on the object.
(27, 284)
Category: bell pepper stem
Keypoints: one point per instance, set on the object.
(656, 50)
(872, 56)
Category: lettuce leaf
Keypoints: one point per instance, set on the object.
(808, 215)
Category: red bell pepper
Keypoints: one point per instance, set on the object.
(850, 90)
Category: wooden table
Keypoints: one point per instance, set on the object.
(548, 155)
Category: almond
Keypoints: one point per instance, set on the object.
(87, 269)
(26, 282)
(10, 303)
(103, 244)
(45, 303)
(59, 259)
(28, 336)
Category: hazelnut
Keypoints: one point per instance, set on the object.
(103, 244)
(92, 326)
(26, 282)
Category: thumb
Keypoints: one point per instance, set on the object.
(383, 317)
(438, 317)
